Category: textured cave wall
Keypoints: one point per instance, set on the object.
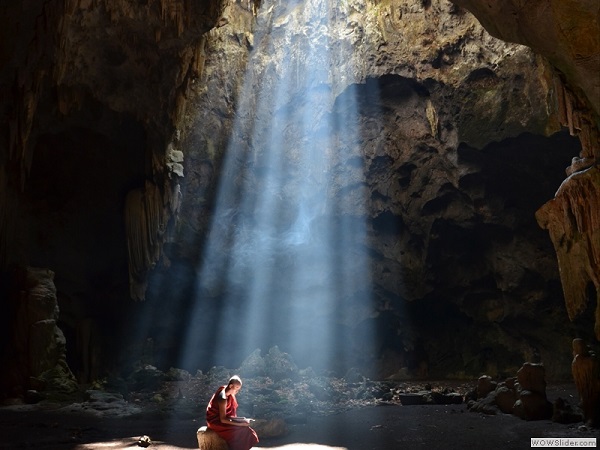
(90, 93)
(568, 35)
(112, 103)
(458, 153)
(101, 67)
(565, 32)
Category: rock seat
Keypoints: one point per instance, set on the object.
(210, 440)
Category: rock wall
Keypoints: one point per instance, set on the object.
(37, 347)
(108, 74)
(122, 111)
(452, 122)
(90, 93)
(568, 35)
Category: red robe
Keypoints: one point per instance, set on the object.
(238, 438)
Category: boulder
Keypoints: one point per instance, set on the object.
(531, 377)
(485, 385)
(485, 405)
(210, 440)
(505, 399)
(270, 428)
(253, 365)
(524, 396)
(279, 365)
(533, 406)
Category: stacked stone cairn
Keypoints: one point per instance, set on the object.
(523, 395)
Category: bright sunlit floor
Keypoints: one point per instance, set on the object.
(133, 443)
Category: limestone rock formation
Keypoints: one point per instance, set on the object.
(109, 72)
(573, 220)
(121, 113)
(568, 35)
(523, 395)
(586, 373)
(37, 359)
(434, 90)
(564, 32)
(532, 403)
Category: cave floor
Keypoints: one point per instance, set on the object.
(385, 427)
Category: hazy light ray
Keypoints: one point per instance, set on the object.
(217, 267)
(263, 207)
(345, 279)
(277, 255)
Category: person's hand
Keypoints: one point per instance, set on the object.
(242, 422)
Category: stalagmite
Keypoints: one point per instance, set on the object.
(586, 373)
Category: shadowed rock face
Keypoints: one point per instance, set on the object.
(564, 32)
(461, 145)
(568, 35)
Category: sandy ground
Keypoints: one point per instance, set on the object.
(386, 427)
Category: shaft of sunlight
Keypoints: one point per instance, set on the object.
(284, 259)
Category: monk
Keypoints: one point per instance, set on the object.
(221, 416)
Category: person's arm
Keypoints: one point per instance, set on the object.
(226, 420)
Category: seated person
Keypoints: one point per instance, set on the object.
(221, 414)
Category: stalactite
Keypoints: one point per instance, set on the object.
(200, 57)
(573, 115)
(135, 225)
(432, 118)
(173, 11)
(569, 109)
(145, 224)
(155, 218)
(559, 89)
(573, 221)
(30, 80)
(573, 216)
(26, 116)
(179, 109)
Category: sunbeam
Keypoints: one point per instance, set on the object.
(285, 256)
(285, 263)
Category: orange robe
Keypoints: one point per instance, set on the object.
(238, 438)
